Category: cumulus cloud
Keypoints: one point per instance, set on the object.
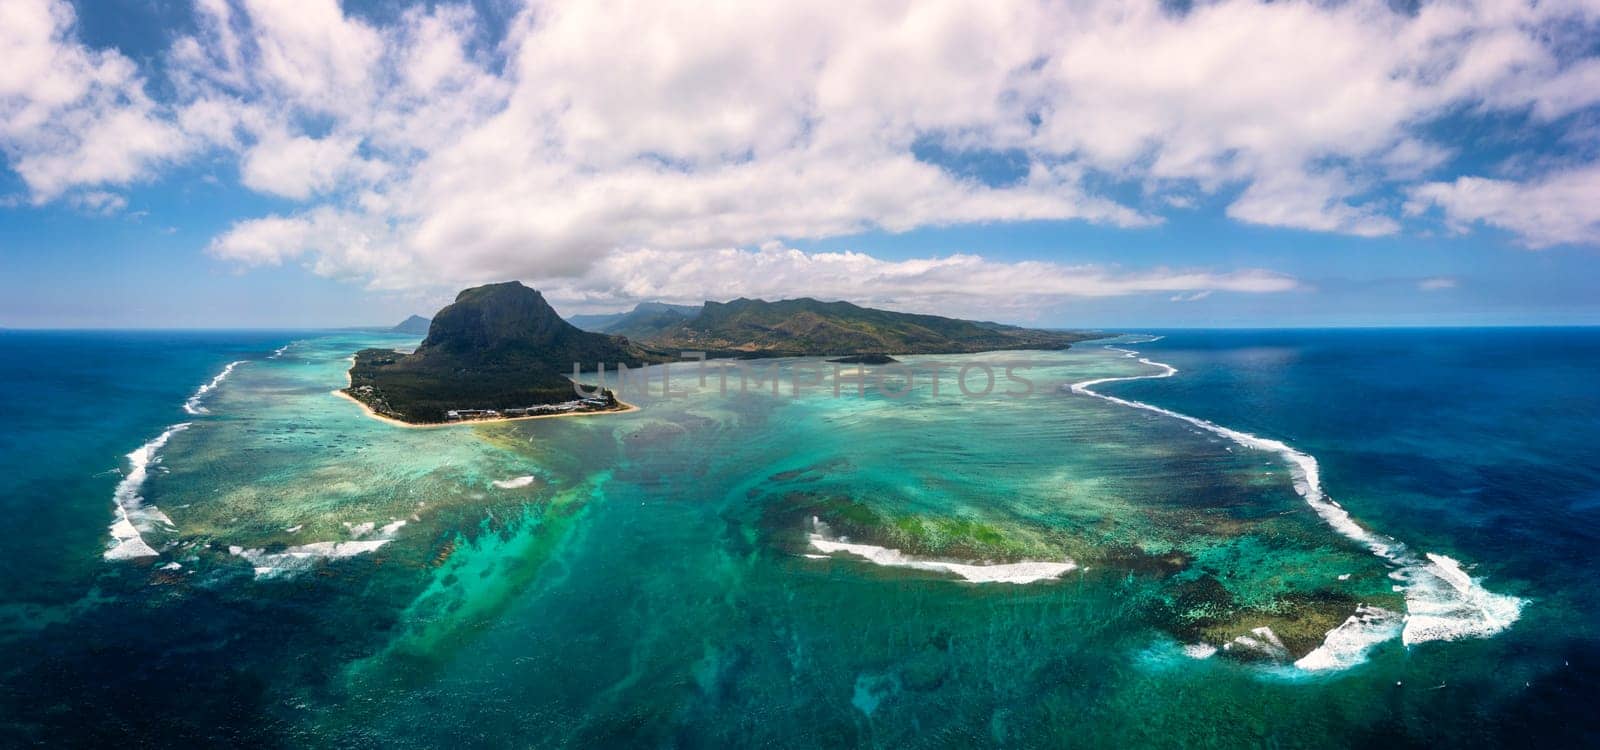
(1562, 207)
(70, 116)
(959, 283)
(425, 151)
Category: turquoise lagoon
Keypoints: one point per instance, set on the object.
(1307, 538)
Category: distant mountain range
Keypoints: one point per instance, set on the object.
(644, 320)
(502, 347)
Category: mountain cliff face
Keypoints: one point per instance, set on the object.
(415, 324)
(499, 346)
(807, 327)
(509, 325)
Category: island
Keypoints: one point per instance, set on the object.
(415, 324)
(500, 351)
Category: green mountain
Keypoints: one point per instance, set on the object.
(807, 327)
(498, 346)
(646, 319)
(415, 324)
(502, 347)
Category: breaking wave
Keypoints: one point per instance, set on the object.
(134, 519)
(1018, 572)
(193, 406)
(301, 557)
(1442, 601)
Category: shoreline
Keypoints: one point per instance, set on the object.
(348, 381)
(626, 407)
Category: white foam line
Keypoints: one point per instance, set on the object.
(1018, 572)
(303, 556)
(133, 516)
(278, 352)
(193, 406)
(1442, 601)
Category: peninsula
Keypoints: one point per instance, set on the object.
(499, 351)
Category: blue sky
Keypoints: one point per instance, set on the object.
(231, 163)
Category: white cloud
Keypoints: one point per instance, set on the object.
(1437, 283)
(425, 153)
(1302, 201)
(1560, 208)
(99, 202)
(956, 283)
(300, 167)
(71, 116)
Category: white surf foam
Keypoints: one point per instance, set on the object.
(1347, 645)
(1262, 641)
(513, 483)
(1199, 650)
(133, 518)
(193, 406)
(278, 352)
(303, 556)
(1018, 572)
(1442, 601)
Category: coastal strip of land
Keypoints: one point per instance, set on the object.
(622, 408)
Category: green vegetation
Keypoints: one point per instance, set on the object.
(499, 346)
(806, 327)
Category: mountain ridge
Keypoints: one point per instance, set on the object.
(497, 347)
(806, 326)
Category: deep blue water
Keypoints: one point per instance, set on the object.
(1484, 443)
(1477, 443)
(73, 403)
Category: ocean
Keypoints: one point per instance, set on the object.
(1306, 538)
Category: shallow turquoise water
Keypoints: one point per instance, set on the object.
(650, 578)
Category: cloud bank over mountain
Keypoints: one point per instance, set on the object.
(619, 151)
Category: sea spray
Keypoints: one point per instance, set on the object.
(133, 517)
(301, 557)
(193, 406)
(1442, 601)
